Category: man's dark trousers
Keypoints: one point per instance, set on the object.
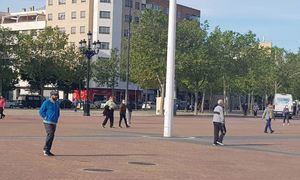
(50, 130)
(219, 127)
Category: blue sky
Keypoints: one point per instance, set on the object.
(274, 20)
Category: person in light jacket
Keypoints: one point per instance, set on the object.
(219, 123)
(268, 115)
(110, 104)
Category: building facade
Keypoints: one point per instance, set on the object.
(74, 17)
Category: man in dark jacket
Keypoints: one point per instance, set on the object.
(50, 113)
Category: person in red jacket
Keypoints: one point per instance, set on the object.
(2, 106)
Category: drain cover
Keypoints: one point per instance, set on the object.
(142, 163)
(98, 170)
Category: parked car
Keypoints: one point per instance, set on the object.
(65, 104)
(29, 101)
(148, 105)
(10, 104)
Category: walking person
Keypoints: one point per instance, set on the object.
(255, 109)
(219, 123)
(286, 115)
(129, 108)
(110, 105)
(245, 109)
(75, 104)
(2, 106)
(50, 113)
(123, 114)
(268, 115)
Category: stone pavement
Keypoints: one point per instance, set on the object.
(140, 152)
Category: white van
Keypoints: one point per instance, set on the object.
(280, 101)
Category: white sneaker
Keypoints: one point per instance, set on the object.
(221, 144)
(288, 124)
(283, 124)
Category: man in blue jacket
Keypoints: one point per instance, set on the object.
(49, 112)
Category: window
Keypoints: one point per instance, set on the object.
(50, 17)
(61, 2)
(104, 45)
(82, 14)
(73, 30)
(82, 29)
(105, 1)
(62, 29)
(73, 15)
(136, 19)
(127, 18)
(143, 7)
(83, 0)
(104, 30)
(74, 1)
(128, 3)
(50, 2)
(137, 5)
(61, 16)
(126, 32)
(105, 14)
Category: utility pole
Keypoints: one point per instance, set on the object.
(170, 77)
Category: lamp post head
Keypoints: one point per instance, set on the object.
(89, 35)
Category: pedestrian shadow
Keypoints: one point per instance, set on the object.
(103, 155)
(250, 145)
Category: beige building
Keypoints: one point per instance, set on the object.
(74, 17)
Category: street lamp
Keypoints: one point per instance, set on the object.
(89, 49)
(128, 53)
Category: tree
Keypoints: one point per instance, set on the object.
(40, 55)
(8, 63)
(105, 71)
(149, 51)
(192, 61)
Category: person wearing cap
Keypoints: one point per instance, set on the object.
(50, 113)
(123, 114)
(219, 123)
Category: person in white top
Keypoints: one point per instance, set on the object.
(219, 123)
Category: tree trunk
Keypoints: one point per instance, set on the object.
(225, 94)
(42, 90)
(210, 99)
(196, 104)
(202, 102)
(252, 103)
(162, 105)
(249, 102)
(240, 102)
(1, 86)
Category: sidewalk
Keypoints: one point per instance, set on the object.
(141, 153)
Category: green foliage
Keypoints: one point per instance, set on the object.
(8, 64)
(106, 70)
(149, 50)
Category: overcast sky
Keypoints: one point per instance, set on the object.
(274, 20)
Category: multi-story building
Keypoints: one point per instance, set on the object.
(74, 17)
(24, 21)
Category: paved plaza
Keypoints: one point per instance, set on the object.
(86, 151)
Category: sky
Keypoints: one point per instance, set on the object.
(277, 21)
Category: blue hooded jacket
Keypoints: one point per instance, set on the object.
(50, 112)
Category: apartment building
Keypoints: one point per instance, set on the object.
(74, 17)
(24, 21)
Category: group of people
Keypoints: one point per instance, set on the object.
(50, 113)
(108, 112)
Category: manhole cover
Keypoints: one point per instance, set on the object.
(142, 163)
(98, 170)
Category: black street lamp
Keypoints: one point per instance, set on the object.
(89, 51)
